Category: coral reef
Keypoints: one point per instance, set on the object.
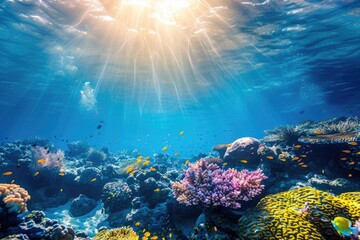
(14, 197)
(123, 233)
(298, 214)
(284, 134)
(207, 184)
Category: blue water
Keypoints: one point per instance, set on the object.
(236, 69)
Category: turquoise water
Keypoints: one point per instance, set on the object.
(223, 70)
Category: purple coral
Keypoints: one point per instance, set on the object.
(51, 159)
(208, 184)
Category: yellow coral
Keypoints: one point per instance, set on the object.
(123, 233)
(15, 197)
(282, 216)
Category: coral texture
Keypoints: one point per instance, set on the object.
(303, 213)
(123, 233)
(14, 197)
(209, 185)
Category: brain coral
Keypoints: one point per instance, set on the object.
(304, 213)
(14, 197)
(123, 233)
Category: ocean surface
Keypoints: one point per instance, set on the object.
(217, 71)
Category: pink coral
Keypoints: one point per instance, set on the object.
(51, 159)
(208, 184)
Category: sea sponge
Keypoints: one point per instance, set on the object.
(304, 213)
(14, 197)
(123, 233)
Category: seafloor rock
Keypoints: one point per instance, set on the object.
(16, 237)
(77, 149)
(82, 205)
(243, 148)
(116, 196)
(298, 214)
(153, 191)
(88, 174)
(221, 149)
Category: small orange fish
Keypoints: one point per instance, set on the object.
(351, 163)
(244, 161)
(152, 169)
(295, 158)
(181, 133)
(93, 180)
(62, 166)
(270, 157)
(283, 159)
(304, 165)
(358, 153)
(297, 146)
(303, 155)
(61, 174)
(144, 238)
(353, 143)
(41, 161)
(7, 173)
(164, 148)
(147, 234)
(170, 235)
(350, 175)
(343, 159)
(301, 163)
(154, 237)
(228, 145)
(346, 151)
(137, 224)
(318, 132)
(215, 228)
(157, 190)
(35, 174)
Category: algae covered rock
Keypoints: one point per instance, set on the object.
(304, 213)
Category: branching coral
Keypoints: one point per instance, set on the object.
(14, 197)
(209, 185)
(123, 233)
(285, 134)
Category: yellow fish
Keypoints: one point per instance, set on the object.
(318, 132)
(295, 158)
(129, 170)
(303, 155)
(144, 238)
(297, 146)
(346, 151)
(146, 163)
(35, 174)
(12, 181)
(154, 237)
(243, 161)
(62, 166)
(170, 235)
(270, 157)
(152, 169)
(228, 145)
(164, 148)
(93, 180)
(350, 175)
(224, 164)
(181, 133)
(147, 234)
(215, 228)
(301, 163)
(61, 174)
(7, 173)
(187, 162)
(137, 224)
(353, 143)
(176, 154)
(41, 161)
(157, 190)
(322, 171)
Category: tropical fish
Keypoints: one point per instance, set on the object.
(154, 237)
(350, 175)
(358, 153)
(322, 171)
(146, 163)
(297, 146)
(228, 145)
(346, 151)
(187, 162)
(137, 224)
(295, 158)
(12, 181)
(270, 157)
(35, 174)
(304, 165)
(318, 132)
(343, 159)
(244, 161)
(176, 154)
(7, 173)
(225, 163)
(215, 228)
(61, 189)
(283, 159)
(303, 155)
(61, 174)
(181, 133)
(41, 161)
(170, 235)
(147, 234)
(343, 226)
(152, 169)
(157, 190)
(353, 143)
(93, 180)
(164, 148)
(129, 170)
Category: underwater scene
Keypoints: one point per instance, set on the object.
(180, 119)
